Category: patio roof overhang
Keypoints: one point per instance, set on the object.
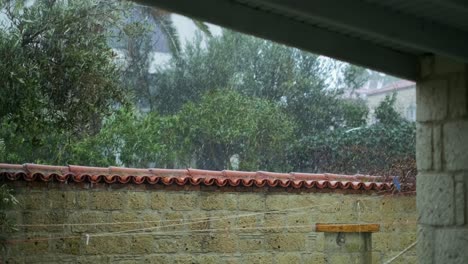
(388, 36)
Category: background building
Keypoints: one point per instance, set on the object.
(405, 98)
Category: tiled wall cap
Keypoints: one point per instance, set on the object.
(110, 175)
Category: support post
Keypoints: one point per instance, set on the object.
(348, 243)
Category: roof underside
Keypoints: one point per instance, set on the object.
(389, 36)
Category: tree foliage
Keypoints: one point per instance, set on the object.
(65, 99)
(257, 68)
(386, 114)
(59, 69)
(128, 138)
(58, 74)
(384, 148)
(226, 123)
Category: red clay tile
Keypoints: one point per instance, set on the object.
(193, 177)
(239, 174)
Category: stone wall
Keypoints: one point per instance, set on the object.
(442, 161)
(201, 224)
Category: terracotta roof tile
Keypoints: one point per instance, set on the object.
(73, 173)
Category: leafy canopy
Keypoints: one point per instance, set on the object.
(58, 75)
(227, 123)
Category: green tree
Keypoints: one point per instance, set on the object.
(58, 75)
(385, 112)
(142, 31)
(225, 123)
(257, 68)
(128, 138)
(384, 148)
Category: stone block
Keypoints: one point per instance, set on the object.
(125, 220)
(343, 258)
(259, 258)
(435, 199)
(92, 259)
(231, 201)
(32, 200)
(198, 220)
(350, 211)
(298, 219)
(377, 257)
(193, 243)
(437, 158)
(381, 242)
(315, 258)
(159, 200)
(451, 245)
(90, 221)
(458, 95)
(406, 204)
(218, 201)
(33, 248)
(173, 221)
(456, 145)
(431, 100)
(126, 259)
(370, 217)
(158, 259)
(252, 244)
(168, 244)
(288, 258)
(40, 219)
(329, 204)
(407, 239)
(246, 221)
(302, 200)
(107, 200)
(107, 245)
(274, 222)
(142, 244)
(223, 220)
(286, 242)
(277, 201)
(69, 246)
(137, 200)
(423, 146)
(461, 202)
(221, 243)
(14, 260)
(60, 199)
(409, 259)
(183, 259)
(81, 200)
(184, 201)
(233, 259)
(425, 247)
(44, 258)
(206, 259)
(314, 242)
(151, 218)
(252, 201)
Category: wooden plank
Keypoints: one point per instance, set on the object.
(346, 228)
